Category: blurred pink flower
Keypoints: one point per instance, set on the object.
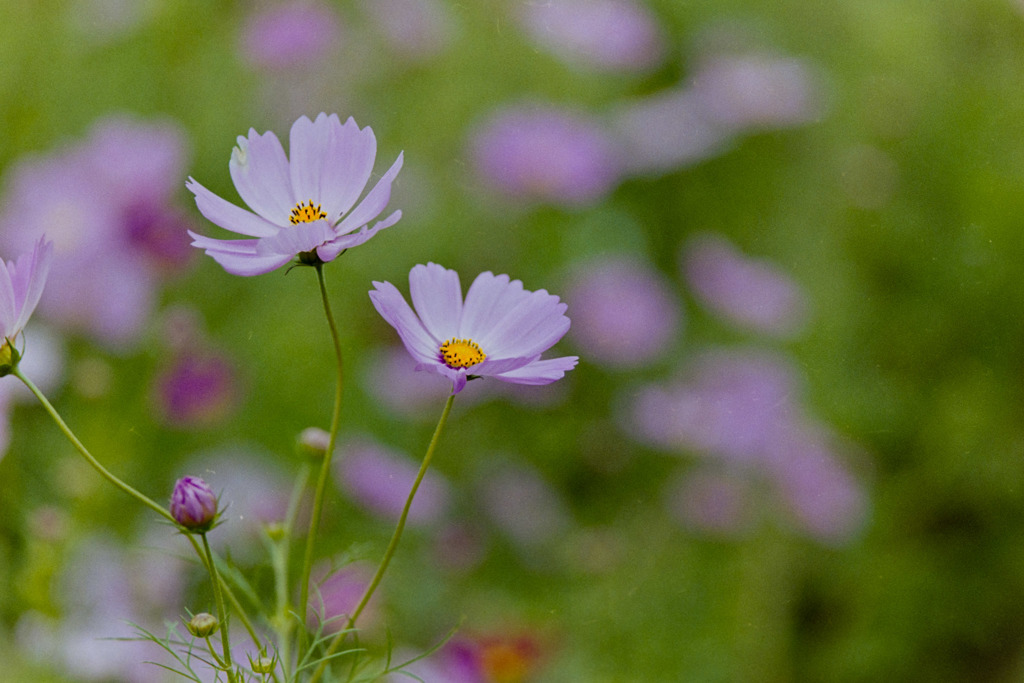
(757, 91)
(728, 405)
(493, 658)
(664, 131)
(751, 293)
(524, 506)
(625, 314)
(102, 590)
(416, 29)
(106, 203)
(543, 154)
(713, 500)
(611, 35)
(379, 479)
(197, 385)
(741, 411)
(821, 496)
(292, 34)
(196, 389)
(338, 592)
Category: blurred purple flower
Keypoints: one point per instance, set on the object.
(741, 409)
(339, 592)
(102, 590)
(757, 91)
(392, 380)
(196, 389)
(612, 35)
(544, 154)
(500, 331)
(416, 29)
(712, 500)
(197, 386)
(497, 658)
(750, 293)
(294, 34)
(665, 131)
(379, 479)
(524, 506)
(821, 496)
(21, 286)
(304, 207)
(728, 405)
(624, 312)
(106, 203)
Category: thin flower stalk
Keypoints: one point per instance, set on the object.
(104, 472)
(222, 612)
(325, 467)
(392, 545)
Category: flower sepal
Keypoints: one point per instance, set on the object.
(9, 358)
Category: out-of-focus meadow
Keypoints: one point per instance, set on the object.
(790, 239)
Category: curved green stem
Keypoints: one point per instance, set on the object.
(222, 613)
(392, 546)
(325, 467)
(104, 472)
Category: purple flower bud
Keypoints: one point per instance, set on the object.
(193, 504)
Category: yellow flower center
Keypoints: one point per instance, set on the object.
(461, 353)
(306, 213)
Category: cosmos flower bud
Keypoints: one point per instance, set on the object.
(193, 504)
(262, 664)
(202, 625)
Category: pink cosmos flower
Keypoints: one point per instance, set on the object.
(302, 207)
(21, 285)
(499, 331)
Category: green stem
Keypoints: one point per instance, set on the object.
(280, 549)
(104, 472)
(325, 467)
(392, 546)
(222, 613)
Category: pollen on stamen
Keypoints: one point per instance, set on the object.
(461, 353)
(306, 213)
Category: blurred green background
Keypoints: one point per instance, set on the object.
(893, 203)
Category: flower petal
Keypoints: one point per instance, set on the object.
(330, 162)
(540, 371)
(296, 239)
(373, 203)
(437, 296)
(239, 257)
(536, 317)
(392, 306)
(259, 169)
(7, 303)
(28, 277)
(228, 216)
(489, 298)
(330, 251)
